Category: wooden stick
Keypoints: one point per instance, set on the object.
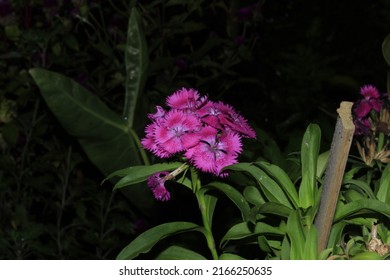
(341, 143)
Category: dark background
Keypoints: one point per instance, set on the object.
(282, 64)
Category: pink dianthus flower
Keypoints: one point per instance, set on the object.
(185, 99)
(224, 117)
(177, 132)
(215, 151)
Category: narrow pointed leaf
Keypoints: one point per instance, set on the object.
(309, 155)
(253, 196)
(146, 240)
(362, 186)
(364, 206)
(269, 187)
(211, 202)
(296, 235)
(234, 195)
(136, 174)
(244, 230)
(282, 179)
(275, 208)
(383, 193)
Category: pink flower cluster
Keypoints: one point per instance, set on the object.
(372, 101)
(206, 133)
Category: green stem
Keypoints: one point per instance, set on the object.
(206, 222)
(141, 150)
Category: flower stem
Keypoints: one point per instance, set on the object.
(206, 221)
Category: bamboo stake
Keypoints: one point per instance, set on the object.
(341, 143)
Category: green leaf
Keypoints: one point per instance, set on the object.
(210, 203)
(136, 61)
(296, 235)
(309, 156)
(253, 196)
(136, 174)
(264, 244)
(282, 179)
(322, 162)
(363, 206)
(367, 256)
(275, 208)
(228, 256)
(383, 193)
(386, 49)
(363, 186)
(310, 251)
(286, 249)
(179, 253)
(146, 240)
(335, 236)
(234, 195)
(103, 135)
(269, 187)
(244, 230)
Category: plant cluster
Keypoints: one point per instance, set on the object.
(81, 78)
(372, 122)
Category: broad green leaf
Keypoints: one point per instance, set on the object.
(244, 230)
(146, 240)
(136, 61)
(228, 256)
(103, 135)
(309, 156)
(383, 193)
(136, 174)
(179, 253)
(363, 206)
(310, 251)
(101, 132)
(296, 235)
(269, 187)
(282, 179)
(234, 195)
(386, 49)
